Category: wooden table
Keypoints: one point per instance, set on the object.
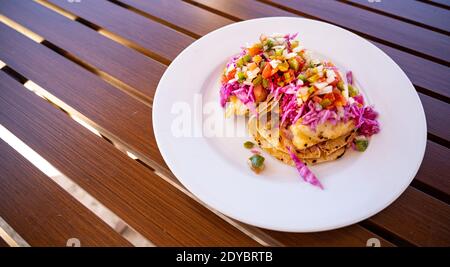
(100, 61)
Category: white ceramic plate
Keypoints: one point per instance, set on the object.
(215, 170)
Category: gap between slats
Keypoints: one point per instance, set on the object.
(370, 37)
(251, 231)
(105, 32)
(87, 24)
(432, 137)
(156, 19)
(436, 3)
(387, 14)
(69, 186)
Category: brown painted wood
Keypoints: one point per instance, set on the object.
(442, 3)
(384, 28)
(434, 169)
(433, 82)
(355, 236)
(41, 211)
(127, 65)
(422, 72)
(120, 115)
(239, 10)
(431, 173)
(25, 64)
(3, 243)
(149, 34)
(411, 11)
(153, 207)
(437, 113)
(179, 12)
(418, 218)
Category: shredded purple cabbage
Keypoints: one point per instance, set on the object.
(349, 77)
(307, 175)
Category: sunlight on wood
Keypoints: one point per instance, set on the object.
(86, 125)
(72, 188)
(131, 155)
(7, 238)
(38, 161)
(56, 9)
(33, 36)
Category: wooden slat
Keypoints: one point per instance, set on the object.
(434, 169)
(120, 115)
(240, 9)
(423, 73)
(435, 109)
(410, 10)
(378, 26)
(127, 65)
(42, 212)
(348, 236)
(418, 218)
(149, 34)
(437, 113)
(3, 243)
(62, 87)
(443, 3)
(176, 12)
(153, 207)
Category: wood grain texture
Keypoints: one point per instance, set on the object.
(384, 28)
(443, 3)
(62, 87)
(41, 211)
(434, 169)
(238, 9)
(412, 11)
(177, 12)
(422, 72)
(149, 34)
(355, 236)
(114, 111)
(418, 218)
(127, 65)
(432, 173)
(3, 243)
(437, 113)
(155, 208)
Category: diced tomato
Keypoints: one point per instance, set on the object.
(254, 50)
(231, 74)
(317, 99)
(340, 99)
(301, 62)
(331, 106)
(251, 66)
(267, 71)
(334, 83)
(276, 78)
(321, 80)
(224, 79)
(260, 93)
(330, 96)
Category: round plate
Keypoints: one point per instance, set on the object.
(206, 153)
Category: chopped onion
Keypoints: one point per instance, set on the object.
(325, 90)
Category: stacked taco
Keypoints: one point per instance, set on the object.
(302, 110)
